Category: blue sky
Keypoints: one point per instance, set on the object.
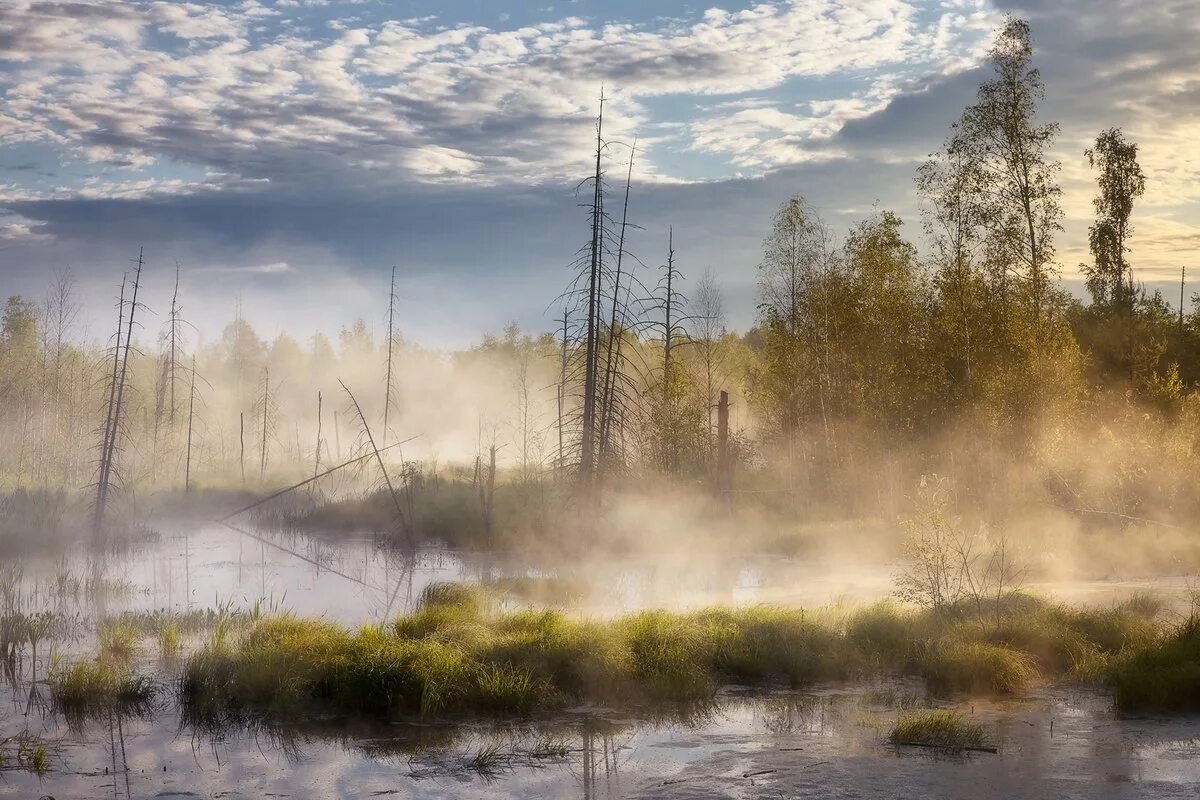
(289, 152)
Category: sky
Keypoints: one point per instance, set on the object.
(287, 153)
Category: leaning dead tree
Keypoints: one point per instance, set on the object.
(405, 525)
(116, 394)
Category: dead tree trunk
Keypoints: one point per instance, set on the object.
(317, 452)
(490, 497)
(724, 467)
(187, 468)
(612, 357)
(242, 444)
(587, 451)
(387, 394)
(101, 482)
(562, 393)
(266, 398)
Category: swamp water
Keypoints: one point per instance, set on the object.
(826, 742)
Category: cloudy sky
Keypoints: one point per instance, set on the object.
(288, 152)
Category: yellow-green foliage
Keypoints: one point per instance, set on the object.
(98, 685)
(936, 727)
(169, 641)
(884, 630)
(119, 640)
(978, 668)
(450, 656)
(453, 654)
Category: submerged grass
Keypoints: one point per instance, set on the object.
(453, 655)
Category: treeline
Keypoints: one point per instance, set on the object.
(871, 362)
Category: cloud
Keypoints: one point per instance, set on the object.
(273, 268)
(132, 83)
(215, 134)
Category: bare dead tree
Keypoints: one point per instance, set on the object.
(587, 457)
(110, 406)
(106, 465)
(268, 409)
(562, 391)
(391, 339)
(317, 449)
(672, 304)
(612, 361)
(596, 298)
(242, 444)
(174, 341)
(187, 469)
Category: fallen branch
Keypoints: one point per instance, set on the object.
(388, 478)
(951, 747)
(307, 481)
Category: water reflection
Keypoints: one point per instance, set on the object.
(747, 744)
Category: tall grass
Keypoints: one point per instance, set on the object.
(1164, 676)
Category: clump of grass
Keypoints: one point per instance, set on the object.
(547, 590)
(170, 641)
(505, 688)
(451, 595)
(99, 685)
(1163, 676)
(977, 668)
(883, 630)
(448, 656)
(937, 727)
(32, 755)
(119, 641)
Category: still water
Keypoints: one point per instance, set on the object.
(827, 742)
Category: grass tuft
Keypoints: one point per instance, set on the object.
(937, 727)
(978, 668)
(119, 641)
(86, 688)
